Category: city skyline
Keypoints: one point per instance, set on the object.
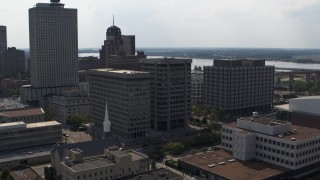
(211, 23)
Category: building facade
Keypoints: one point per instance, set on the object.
(17, 135)
(170, 90)
(70, 102)
(127, 94)
(13, 61)
(3, 38)
(197, 87)
(54, 63)
(239, 86)
(113, 164)
(273, 141)
(128, 62)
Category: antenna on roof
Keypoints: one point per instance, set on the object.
(113, 19)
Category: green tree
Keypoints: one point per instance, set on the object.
(76, 120)
(5, 174)
(299, 86)
(175, 147)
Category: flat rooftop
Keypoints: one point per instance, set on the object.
(22, 112)
(120, 71)
(19, 154)
(158, 174)
(264, 121)
(231, 168)
(43, 124)
(90, 163)
(10, 103)
(297, 132)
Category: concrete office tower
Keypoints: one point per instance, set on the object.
(197, 87)
(53, 48)
(239, 86)
(170, 92)
(117, 44)
(128, 96)
(3, 38)
(13, 61)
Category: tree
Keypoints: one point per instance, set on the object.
(175, 147)
(204, 121)
(5, 174)
(76, 120)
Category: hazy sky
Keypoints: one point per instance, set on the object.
(183, 23)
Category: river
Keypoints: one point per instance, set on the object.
(209, 62)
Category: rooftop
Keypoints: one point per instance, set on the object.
(158, 174)
(222, 163)
(10, 103)
(21, 172)
(90, 163)
(22, 112)
(43, 124)
(120, 71)
(297, 132)
(264, 121)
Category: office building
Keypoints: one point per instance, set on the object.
(3, 39)
(117, 44)
(196, 87)
(127, 95)
(13, 61)
(273, 141)
(113, 163)
(90, 62)
(31, 115)
(70, 102)
(128, 62)
(53, 50)
(17, 135)
(239, 87)
(170, 92)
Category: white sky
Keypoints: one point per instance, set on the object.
(183, 23)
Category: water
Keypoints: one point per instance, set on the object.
(209, 62)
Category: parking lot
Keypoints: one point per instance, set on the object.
(75, 136)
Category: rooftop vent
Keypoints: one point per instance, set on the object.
(255, 114)
(211, 165)
(231, 160)
(293, 139)
(280, 135)
(222, 163)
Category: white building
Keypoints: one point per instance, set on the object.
(273, 141)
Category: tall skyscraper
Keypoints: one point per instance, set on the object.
(3, 38)
(239, 86)
(127, 95)
(170, 92)
(53, 49)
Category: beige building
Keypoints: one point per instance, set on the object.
(16, 135)
(54, 62)
(127, 94)
(26, 115)
(114, 163)
(71, 101)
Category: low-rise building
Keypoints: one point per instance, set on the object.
(71, 101)
(114, 163)
(303, 111)
(156, 174)
(273, 141)
(22, 172)
(221, 165)
(60, 152)
(11, 104)
(26, 115)
(17, 135)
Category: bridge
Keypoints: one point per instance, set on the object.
(313, 74)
